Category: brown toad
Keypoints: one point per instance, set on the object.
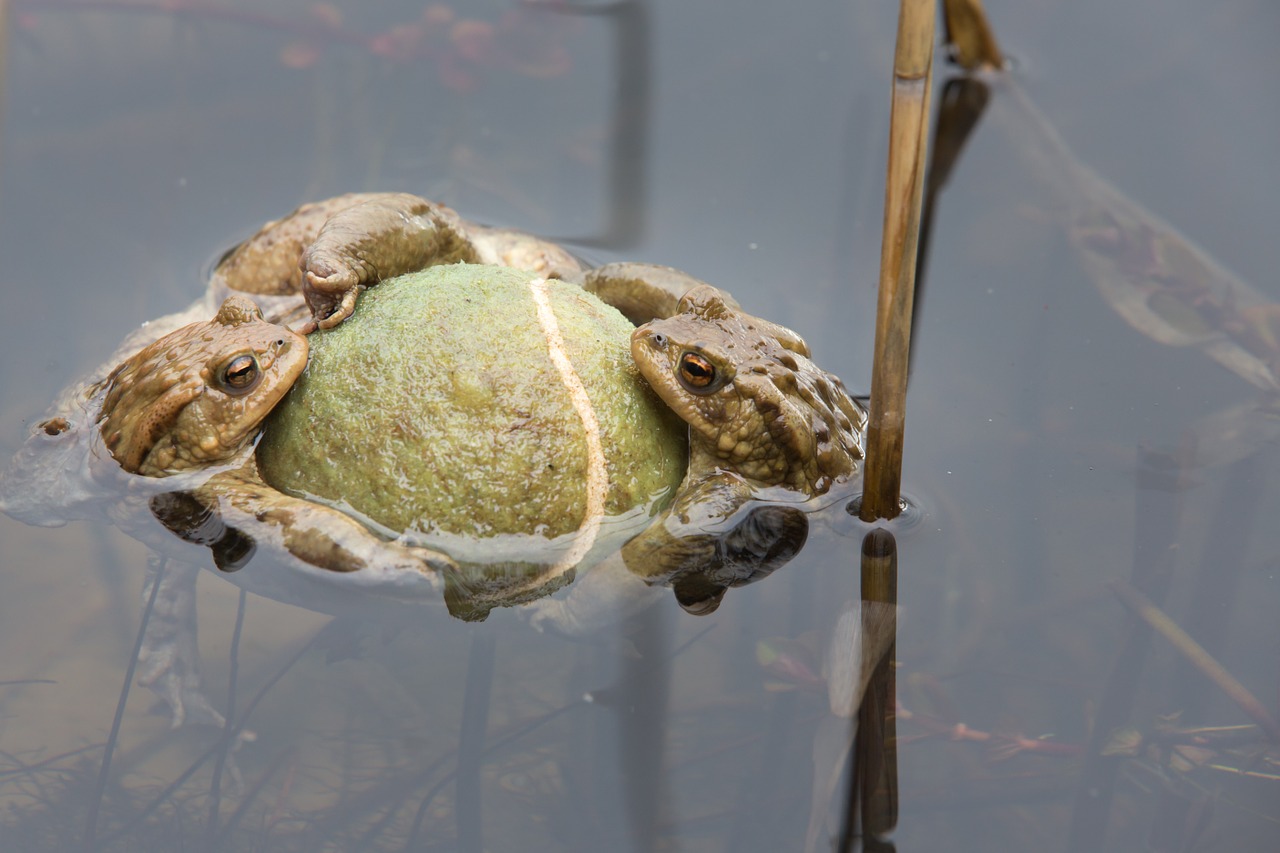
(197, 396)
(196, 399)
(764, 422)
(755, 404)
(761, 415)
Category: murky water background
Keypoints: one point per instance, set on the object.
(744, 144)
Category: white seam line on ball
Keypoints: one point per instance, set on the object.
(597, 474)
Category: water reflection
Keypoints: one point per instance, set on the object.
(626, 194)
(699, 567)
(1169, 289)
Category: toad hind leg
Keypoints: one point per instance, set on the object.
(642, 292)
(168, 657)
(388, 235)
(268, 262)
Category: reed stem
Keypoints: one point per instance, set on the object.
(904, 185)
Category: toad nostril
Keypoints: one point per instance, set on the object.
(659, 340)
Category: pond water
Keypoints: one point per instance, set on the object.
(1046, 437)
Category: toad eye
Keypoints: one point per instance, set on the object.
(240, 374)
(697, 374)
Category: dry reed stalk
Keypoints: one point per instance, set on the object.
(973, 43)
(904, 185)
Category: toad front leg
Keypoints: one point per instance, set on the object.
(230, 511)
(643, 292)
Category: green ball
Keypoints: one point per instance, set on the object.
(438, 410)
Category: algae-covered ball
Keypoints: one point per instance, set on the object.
(475, 401)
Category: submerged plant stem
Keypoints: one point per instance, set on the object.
(91, 824)
(1156, 526)
(1148, 612)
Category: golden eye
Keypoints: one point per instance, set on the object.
(240, 374)
(697, 373)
